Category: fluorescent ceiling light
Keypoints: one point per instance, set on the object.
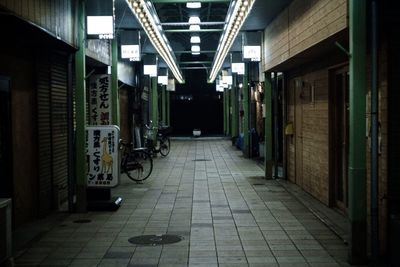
(195, 39)
(237, 13)
(196, 48)
(146, 15)
(195, 53)
(194, 20)
(194, 28)
(193, 5)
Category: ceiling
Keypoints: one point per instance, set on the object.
(174, 16)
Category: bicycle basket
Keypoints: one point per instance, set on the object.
(149, 133)
(165, 130)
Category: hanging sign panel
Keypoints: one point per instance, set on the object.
(132, 52)
(252, 52)
(100, 19)
(102, 156)
(238, 68)
(100, 99)
(171, 85)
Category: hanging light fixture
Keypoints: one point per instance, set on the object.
(194, 28)
(237, 13)
(195, 39)
(193, 4)
(147, 17)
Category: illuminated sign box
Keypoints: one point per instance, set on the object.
(150, 70)
(102, 155)
(100, 27)
(171, 85)
(130, 51)
(163, 80)
(227, 79)
(238, 68)
(252, 52)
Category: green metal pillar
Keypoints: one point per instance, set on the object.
(114, 82)
(357, 210)
(164, 104)
(80, 111)
(154, 101)
(224, 110)
(234, 104)
(268, 125)
(246, 117)
(168, 109)
(228, 115)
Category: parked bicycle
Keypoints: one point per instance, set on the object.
(136, 162)
(162, 144)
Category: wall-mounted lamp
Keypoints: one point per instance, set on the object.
(147, 17)
(238, 11)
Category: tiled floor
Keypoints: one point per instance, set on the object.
(226, 213)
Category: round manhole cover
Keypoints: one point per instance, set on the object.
(83, 221)
(154, 240)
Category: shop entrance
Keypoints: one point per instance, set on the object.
(5, 139)
(340, 141)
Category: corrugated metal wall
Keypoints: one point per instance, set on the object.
(55, 16)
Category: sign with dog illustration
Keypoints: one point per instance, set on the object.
(102, 156)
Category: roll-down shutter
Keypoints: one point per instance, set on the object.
(52, 130)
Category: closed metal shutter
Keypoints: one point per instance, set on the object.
(52, 130)
(44, 134)
(58, 79)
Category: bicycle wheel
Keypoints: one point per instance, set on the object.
(165, 146)
(138, 165)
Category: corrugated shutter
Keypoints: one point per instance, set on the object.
(44, 134)
(59, 126)
(52, 130)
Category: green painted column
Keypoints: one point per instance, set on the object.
(154, 101)
(234, 104)
(168, 108)
(246, 110)
(164, 104)
(225, 118)
(228, 115)
(357, 210)
(114, 82)
(268, 125)
(80, 111)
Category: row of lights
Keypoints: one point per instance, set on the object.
(153, 29)
(194, 22)
(237, 14)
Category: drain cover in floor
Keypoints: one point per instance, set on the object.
(154, 240)
(202, 160)
(83, 221)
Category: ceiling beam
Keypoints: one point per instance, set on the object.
(206, 23)
(189, 52)
(187, 30)
(194, 62)
(185, 1)
(194, 68)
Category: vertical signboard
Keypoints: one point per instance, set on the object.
(100, 99)
(102, 156)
